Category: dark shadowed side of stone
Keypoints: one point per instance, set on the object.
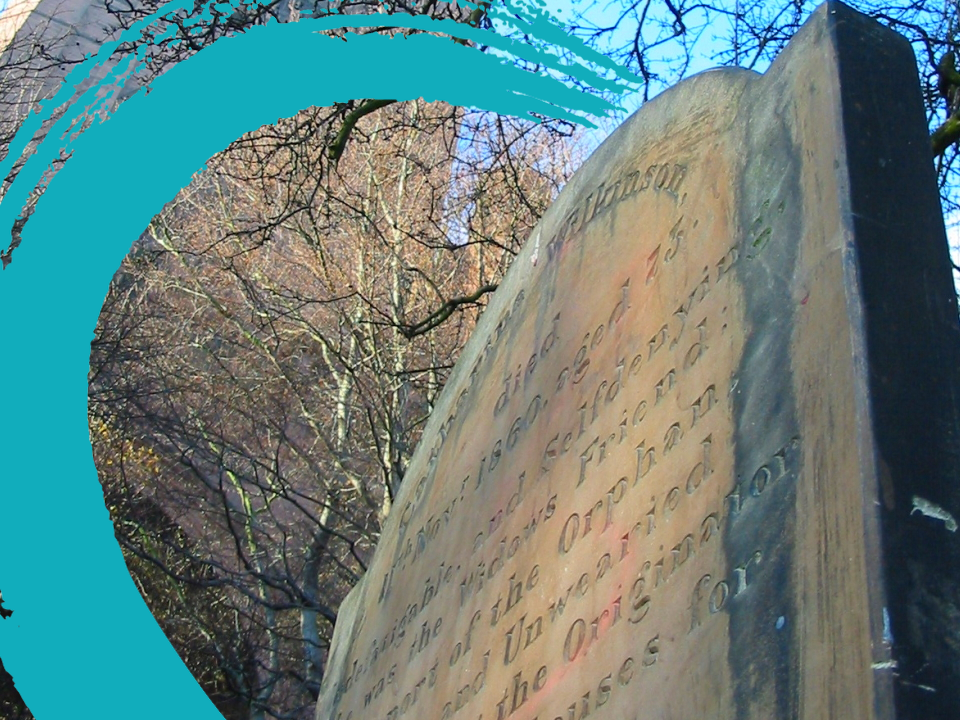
(913, 346)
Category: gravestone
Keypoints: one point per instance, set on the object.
(700, 458)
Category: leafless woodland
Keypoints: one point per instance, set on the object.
(270, 348)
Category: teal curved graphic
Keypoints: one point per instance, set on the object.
(81, 642)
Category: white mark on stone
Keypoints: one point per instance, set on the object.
(734, 381)
(885, 665)
(934, 511)
(781, 621)
(887, 632)
(918, 685)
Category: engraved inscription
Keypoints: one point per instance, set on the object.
(552, 557)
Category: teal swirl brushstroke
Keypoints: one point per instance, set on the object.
(82, 642)
(562, 101)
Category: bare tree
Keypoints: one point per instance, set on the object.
(276, 340)
(270, 349)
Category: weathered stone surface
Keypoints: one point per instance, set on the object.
(700, 459)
